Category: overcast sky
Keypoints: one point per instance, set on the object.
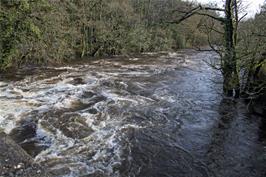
(252, 5)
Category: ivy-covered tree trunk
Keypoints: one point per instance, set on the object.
(229, 61)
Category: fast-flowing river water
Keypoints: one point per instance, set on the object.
(159, 115)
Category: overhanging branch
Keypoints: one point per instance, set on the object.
(241, 18)
(196, 11)
(211, 16)
(213, 9)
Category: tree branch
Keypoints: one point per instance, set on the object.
(241, 18)
(213, 8)
(195, 11)
(211, 16)
(186, 14)
(212, 65)
(211, 28)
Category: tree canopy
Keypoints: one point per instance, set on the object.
(48, 31)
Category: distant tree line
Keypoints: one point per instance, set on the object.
(53, 31)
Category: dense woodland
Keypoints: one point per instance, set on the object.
(55, 31)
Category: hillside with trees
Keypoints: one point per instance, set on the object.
(49, 31)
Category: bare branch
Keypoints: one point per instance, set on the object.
(212, 65)
(221, 19)
(209, 30)
(241, 18)
(213, 47)
(214, 9)
(186, 15)
(212, 29)
(261, 88)
(195, 11)
(186, 12)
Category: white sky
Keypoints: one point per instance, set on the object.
(253, 6)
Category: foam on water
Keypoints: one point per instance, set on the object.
(99, 152)
(85, 114)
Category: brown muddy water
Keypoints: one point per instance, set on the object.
(159, 115)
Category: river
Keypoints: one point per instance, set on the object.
(156, 115)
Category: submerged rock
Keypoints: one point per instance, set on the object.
(70, 124)
(25, 135)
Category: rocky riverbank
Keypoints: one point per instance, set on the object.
(14, 161)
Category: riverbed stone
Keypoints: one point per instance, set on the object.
(74, 126)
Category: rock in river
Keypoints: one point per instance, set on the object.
(14, 161)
